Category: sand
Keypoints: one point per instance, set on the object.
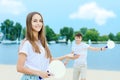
(8, 72)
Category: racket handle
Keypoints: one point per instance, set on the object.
(48, 73)
(106, 46)
(40, 77)
(75, 54)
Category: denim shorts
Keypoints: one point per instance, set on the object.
(30, 77)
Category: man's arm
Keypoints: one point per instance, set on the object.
(96, 48)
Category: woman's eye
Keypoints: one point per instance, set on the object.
(40, 21)
(37, 20)
(34, 20)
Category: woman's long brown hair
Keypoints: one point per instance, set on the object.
(41, 35)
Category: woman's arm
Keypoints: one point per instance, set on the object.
(67, 56)
(25, 70)
(60, 58)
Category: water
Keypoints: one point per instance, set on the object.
(104, 60)
(8, 53)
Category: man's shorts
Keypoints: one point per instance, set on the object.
(79, 71)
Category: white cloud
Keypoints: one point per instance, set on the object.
(91, 11)
(14, 7)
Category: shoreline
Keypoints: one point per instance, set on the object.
(8, 72)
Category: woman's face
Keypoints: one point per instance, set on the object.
(36, 22)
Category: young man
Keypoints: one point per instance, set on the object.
(80, 64)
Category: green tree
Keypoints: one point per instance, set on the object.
(118, 36)
(6, 28)
(50, 34)
(103, 38)
(68, 32)
(18, 28)
(13, 33)
(23, 33)
(91, 34)
(83, 30)
(111, 36)
(10, 31)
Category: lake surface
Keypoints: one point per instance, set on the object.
(104, 60)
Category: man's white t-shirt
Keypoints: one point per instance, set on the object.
(82, 50)
(34, 60)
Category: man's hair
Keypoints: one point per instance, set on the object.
(78, 35)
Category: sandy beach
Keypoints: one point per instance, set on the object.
(8, 72)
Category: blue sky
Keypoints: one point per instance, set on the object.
(103, 15)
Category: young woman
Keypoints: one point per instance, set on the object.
(34, 54)
(80, 64)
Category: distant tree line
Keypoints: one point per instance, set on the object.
(12, 31)
(15, 31)
(88, 34)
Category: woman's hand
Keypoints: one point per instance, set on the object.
(43, 74)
